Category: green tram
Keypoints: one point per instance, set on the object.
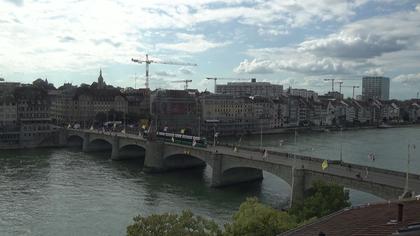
(182, 139)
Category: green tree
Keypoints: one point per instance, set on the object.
(173, 225)
(254, 218)
(322, 199)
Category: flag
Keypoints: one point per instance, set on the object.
(182, 131)
(194, 142)
(324, 165)
(173, 139)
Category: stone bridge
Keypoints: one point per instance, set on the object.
(247, 164)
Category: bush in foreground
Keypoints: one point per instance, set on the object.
(173, 225)
(252, 218)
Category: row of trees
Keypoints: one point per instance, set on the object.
(252, 218)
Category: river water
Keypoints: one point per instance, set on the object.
(68, 192)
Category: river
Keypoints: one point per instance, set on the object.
(68, 192)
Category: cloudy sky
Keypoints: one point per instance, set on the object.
(294, 43)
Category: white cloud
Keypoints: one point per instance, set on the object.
(408, 79)
(255, 67)
(360, 47)
(375, 72)
(165, 74)
(185, 71)
(191, 43)
(369, 38)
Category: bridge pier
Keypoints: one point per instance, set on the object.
(298, 186)
(85, 145)
(115, 155)
(154, 158)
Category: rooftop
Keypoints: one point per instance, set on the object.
(376, 219)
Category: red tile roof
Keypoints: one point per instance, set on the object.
(377, 219)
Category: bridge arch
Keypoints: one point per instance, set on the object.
(181, 160)
(98, 144)
(251, 168)
(132, 151)
(75, 140)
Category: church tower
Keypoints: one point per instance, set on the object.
(101, 83)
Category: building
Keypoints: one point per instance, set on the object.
(7, 88)
(375, 87)
(304, 93)
(252, 88)
(9, 129)
(227, 114)
(175, 110)
(390, 218)
(87, 105)
(138, 102)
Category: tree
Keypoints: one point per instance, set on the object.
(322, 199)
(173, 224)
(254, 218)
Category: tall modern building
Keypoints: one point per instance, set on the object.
(375, 87)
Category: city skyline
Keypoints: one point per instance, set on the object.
(281, 42)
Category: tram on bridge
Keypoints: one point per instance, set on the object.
(183, 139)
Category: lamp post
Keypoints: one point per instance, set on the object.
(214, 136)
(261, 135)
(341, 145)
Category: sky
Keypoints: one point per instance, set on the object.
(293, 43)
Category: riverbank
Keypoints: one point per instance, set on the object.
(289, 130)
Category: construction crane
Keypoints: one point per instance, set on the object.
(354, 87)
(340, 84)
(332, 83)
(220, 78)
(183, 81)
(148, 61)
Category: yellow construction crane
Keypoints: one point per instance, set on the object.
(220, 78)
(183, 81)
(148, 61)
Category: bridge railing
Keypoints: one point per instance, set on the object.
(319, 160)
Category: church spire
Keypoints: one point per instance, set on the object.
(101, 83)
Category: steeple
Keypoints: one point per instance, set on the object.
(101, 83)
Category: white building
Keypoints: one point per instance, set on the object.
(304, 93)
(252, 88)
